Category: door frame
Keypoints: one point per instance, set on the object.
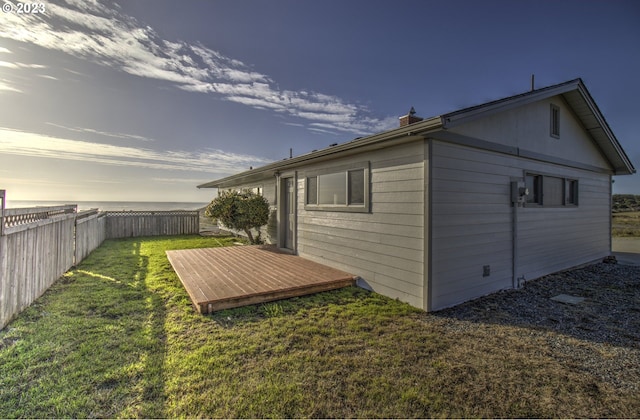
(282, 208)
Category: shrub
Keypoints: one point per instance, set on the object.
(241, 211)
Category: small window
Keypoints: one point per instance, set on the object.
(571, 196)
(338, 190)
(555, 121)
(356, 186)
(551, 191)
(332, 189)
(534, 184)
(312, 190)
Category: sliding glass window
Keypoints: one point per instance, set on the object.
(338, 189)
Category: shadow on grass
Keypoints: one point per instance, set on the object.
(609, 313)
(92, 346)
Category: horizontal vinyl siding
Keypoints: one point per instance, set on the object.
(552, 239)
(384, 247)
(472, 223)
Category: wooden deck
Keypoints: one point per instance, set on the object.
(229, 277)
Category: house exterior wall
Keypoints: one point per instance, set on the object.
(385, 246)
(555, 238)
(472, 223)
(528, 128)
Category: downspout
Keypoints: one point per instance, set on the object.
(518, 196)
(611, 181)
(514, 243)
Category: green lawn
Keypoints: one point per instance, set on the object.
(118, 337)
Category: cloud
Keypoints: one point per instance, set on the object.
(17, 65)
(15, 142)
(102, 133)
(104, 35)
(4, 86)
(185, 181)
(4, 50)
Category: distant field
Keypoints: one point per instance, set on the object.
(626, 224)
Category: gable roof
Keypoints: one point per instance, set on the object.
(581, 102)
(574, 93)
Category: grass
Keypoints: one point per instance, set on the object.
(626, 224)
(118, 337)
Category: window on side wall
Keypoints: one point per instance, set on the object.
(551, 191)
(555, 121)
(534, 185)
(571, 196)
(338, 189)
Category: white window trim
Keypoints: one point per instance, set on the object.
(357, 208)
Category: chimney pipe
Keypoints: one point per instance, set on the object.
(410, 118)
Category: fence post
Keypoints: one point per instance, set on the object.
(4, 312)
(2, 196)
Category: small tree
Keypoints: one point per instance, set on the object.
(241, 211)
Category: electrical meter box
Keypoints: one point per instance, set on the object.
(519, 192)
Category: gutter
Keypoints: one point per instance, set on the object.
(411, 132)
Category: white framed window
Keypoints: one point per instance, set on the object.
(343, 188)
(551, 191)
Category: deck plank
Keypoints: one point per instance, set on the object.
(229, 277)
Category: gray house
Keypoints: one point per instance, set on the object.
(445, 209)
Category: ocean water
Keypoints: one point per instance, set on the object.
(109, 205)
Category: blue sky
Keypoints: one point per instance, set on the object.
(143, 100)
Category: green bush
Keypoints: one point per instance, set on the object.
(241, 211)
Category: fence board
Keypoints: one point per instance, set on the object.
(31, 260)
(38, 245)
(90, 233)
(127, 224)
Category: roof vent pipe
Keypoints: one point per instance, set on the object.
(533, 78)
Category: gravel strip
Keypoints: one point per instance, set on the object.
(600, 335)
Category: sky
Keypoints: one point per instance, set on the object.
(142, 100)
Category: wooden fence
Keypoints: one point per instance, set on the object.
(38, 245)
(90, 233)
(36, 248)
(127, 224)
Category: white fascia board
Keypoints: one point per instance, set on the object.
(627, 167)
(462, 116)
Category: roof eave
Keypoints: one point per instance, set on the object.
(607, 142)
(466, 115)
(408, 133)
(624, 166)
